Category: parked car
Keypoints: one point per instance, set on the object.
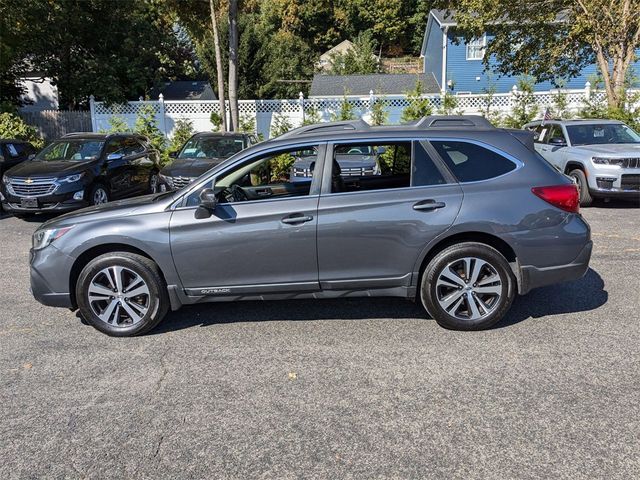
(81, 169)
(469, 217)
(354, 161)
(13, 151)
(603, 156)
(200, 153)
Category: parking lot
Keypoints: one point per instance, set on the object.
(357, 388)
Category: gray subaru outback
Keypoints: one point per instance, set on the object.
(460, 216)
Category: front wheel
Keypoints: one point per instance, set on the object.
(586, 200)
(468, 286)
(98, 194)
(122, 294)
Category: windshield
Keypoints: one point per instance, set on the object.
(71, 151)
(601, 134)
(212, 147)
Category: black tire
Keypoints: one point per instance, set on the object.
(157, 301)
(430, 292)
(586, 200)
(93, 191)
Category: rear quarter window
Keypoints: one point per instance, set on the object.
(470, 162)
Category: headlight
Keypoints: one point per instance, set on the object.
(608, 161)
(5, 180)
(168, 180)
(71, 178)
(43, 238)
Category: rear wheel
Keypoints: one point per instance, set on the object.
(586, 200)
(122, 294)
(468, 286)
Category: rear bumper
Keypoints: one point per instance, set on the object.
(533, 277)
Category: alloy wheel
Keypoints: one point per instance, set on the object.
(469, 288)
(100, 196)
(119, 296)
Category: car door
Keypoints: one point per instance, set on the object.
(261, 236)
(554, 146)
(118, 170)
(140, 163)
(372, 229)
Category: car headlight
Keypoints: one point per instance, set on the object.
(608, 161)
(43, 238)
(168, 180)
(71, 178)
(5, 180)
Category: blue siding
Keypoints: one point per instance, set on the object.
(469, 75)
(433, 54)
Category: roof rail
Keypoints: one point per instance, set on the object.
(353, 125)
(447, 121)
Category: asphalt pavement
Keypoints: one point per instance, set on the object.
(356, 388)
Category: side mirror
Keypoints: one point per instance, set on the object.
(380, 150)
(208, 199)
(173, 154)
(557, 142)
(114, 156)
(31, 156)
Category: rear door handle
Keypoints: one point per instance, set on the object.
(428, 205)
(296, 218)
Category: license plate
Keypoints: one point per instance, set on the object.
(29, 203)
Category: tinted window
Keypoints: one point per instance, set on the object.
(424, 171)
(16, 149)
(470, 162)
(370, 166)
(266, 177)
(593, 134)
(75, 150)
(211, 147)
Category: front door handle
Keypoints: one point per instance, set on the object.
(428, 205)
(296, 218)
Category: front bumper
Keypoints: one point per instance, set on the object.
(57, 202)
(49, 276)
(614, 182)
(533, 277)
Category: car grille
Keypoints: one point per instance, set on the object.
(179, 182)
(302, 172)
(356, 172)
(630, 182)
(32, 187)
(631, 162)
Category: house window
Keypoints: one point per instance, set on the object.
(475, 48)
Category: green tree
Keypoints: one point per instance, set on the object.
(448, 104)
(558, 38)
(525, 107)
(147, 125)
(360, 59)
(379, 114)
(311, 117)
(345, 112)
(117, 124)
(280, 124)
(418, 107)
(182, 132)
(12, 126)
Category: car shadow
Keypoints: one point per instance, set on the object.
(582, 295)
(616, 203)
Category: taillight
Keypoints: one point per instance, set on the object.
(565, 196)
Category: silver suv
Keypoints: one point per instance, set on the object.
(461, 218)
(603, 156)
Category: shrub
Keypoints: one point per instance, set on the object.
(12, 126)
(182, 133)
(147, 125)
(216, 121)
(449, 103)
(346, 111)
(379, 114)
(418, 105)
(117, 124)
(525, 107)
(280, 124)
(311, 117)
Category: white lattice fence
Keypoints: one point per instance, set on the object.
(265, 112)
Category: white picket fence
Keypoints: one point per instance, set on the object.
(265, 112)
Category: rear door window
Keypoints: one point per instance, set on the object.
(470, 162)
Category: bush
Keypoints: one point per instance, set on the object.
(247, 124)
(147, 125)
(379, 114)
(280, 125)
(346, 111)
(311, 117)
(525, 108)
(182, 133)
(216, 121)
(117, 124)
(449, 104)
(12, 126)
(418, 105)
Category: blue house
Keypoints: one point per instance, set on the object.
(458, 65)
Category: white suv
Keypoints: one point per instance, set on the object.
(603, 156)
